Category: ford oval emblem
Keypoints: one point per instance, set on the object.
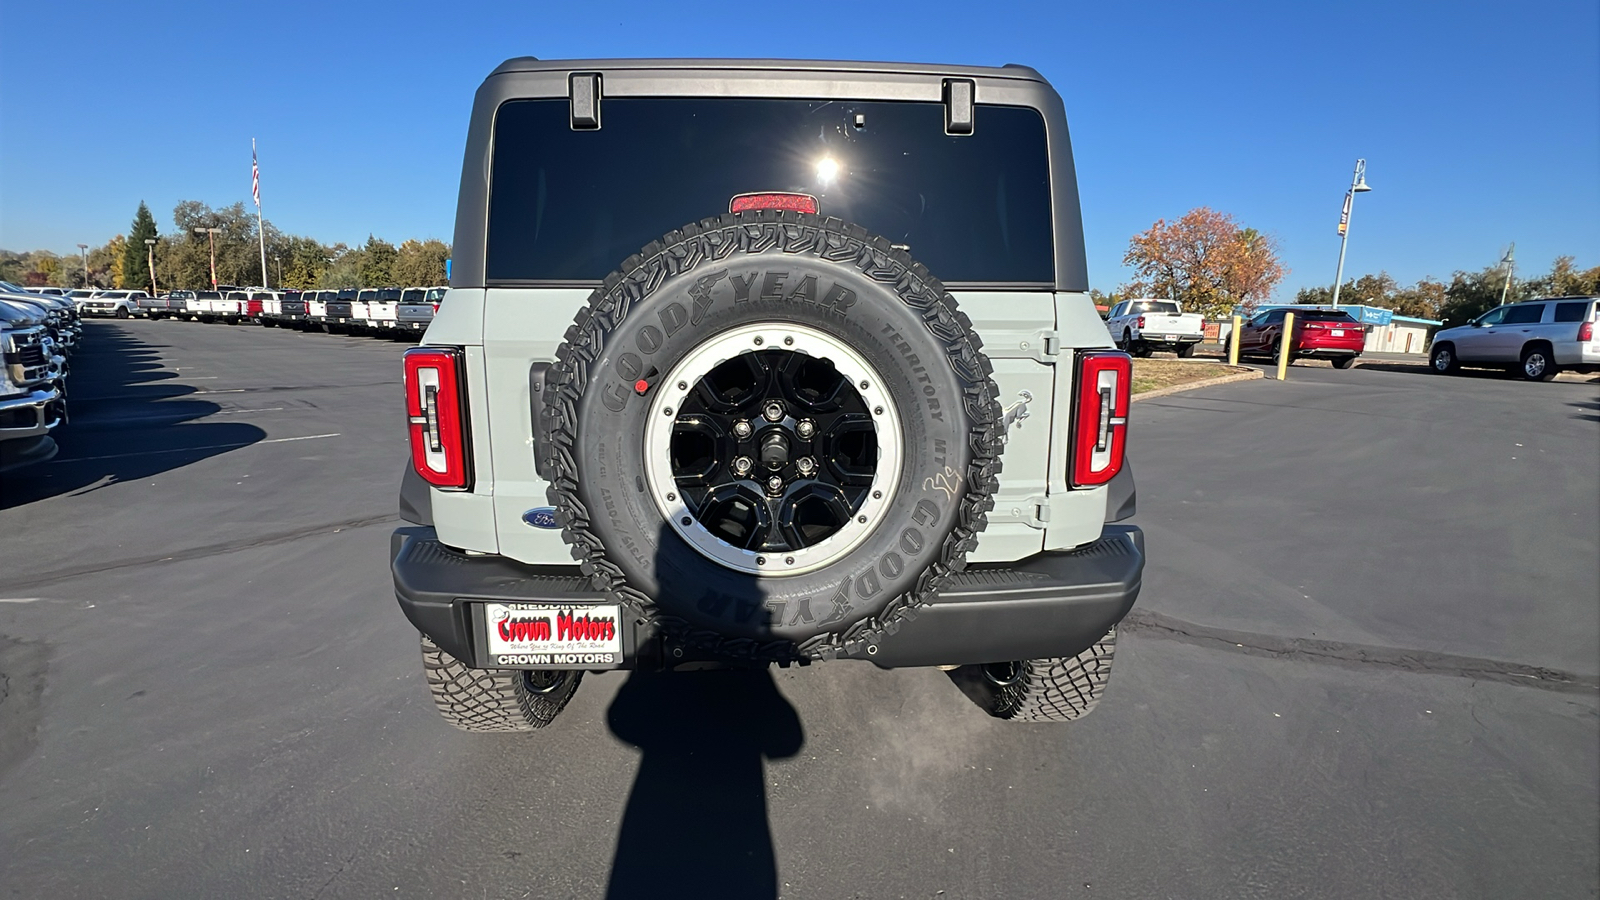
(542, 517)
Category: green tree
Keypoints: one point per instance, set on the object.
(377, 263)
(304, 261)
(1566, 280)
(135, 255)
(344, 271)
(421, 263)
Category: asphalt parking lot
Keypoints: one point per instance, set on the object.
(1364, 664)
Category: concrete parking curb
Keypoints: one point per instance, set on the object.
(1245, 375)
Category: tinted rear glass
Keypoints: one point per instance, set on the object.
(1318, 315)
(435, 295)
(208, 295)
(571, 205)
(1572, 312)
(389, 294)
(412, 296)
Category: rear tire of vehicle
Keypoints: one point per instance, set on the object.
(1057, 689)
(1142, 349)
(494, 700)
(1126, 344)
(1537, 363)
(1343, 362)
(1185, 351)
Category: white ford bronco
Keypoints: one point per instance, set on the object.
(732, 354)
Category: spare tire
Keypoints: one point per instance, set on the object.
(774, 436)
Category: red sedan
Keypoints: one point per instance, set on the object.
(1328, 334)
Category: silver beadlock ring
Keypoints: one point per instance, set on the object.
(772, 336)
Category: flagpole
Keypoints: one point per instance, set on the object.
(261, 229)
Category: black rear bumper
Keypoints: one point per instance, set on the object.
(1051, 604)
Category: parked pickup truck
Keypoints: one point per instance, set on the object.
(416, 308)
(380, 315)
(31, 400)
(292, 309)
(169, 304)
(1145, 325)
(337, 315)
(121, 304)
(265, 306)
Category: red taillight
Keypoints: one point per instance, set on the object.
(437, 417)
(1100, 422)
(436, 307)
(1141, 321)
(773, 200)
(1586, 331)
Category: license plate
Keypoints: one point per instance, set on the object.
(540, 635)
(1170, 337)
(1338, 332)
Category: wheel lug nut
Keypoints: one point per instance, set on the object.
(805, 465)
(775, 484)
(806, 428)
(742, 465)
(773, 411)
(742, 428)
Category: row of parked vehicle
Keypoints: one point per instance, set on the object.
(37, 335)
(345, 311)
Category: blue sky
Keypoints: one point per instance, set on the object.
(1480, 121)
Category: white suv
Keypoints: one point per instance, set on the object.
(1539, 338)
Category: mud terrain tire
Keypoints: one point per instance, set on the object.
(494, 700)
(1041, 690)
(772, 270)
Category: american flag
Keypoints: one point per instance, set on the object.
(255, 174)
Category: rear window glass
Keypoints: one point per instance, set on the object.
(1325, 315)
(1153, 306)
(1571, 312)
(208, 295)
(1524, 314)
(569, 205)
(389, 294)
(412, 296)
(435, 295)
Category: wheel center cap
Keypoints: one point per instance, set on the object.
(774, 450)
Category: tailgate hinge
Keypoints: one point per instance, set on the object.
(1033, 512)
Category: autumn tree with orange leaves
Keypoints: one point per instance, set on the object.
(1205, 261)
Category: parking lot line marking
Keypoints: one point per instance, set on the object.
(308, 437)
(20, 599)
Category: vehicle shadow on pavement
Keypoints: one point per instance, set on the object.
(129, 418)
(696, 820)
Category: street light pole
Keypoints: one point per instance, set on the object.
(84, 249)
(1510, 262)
(211, 234)
(1358, 185)
(150, 253)
(278, 261)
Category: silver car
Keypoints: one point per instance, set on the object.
(1537, 338)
